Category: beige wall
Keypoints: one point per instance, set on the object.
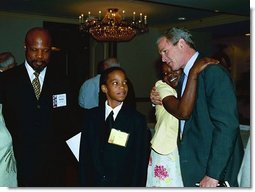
(137, 57)
(13, 28)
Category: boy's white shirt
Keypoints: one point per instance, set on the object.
(108, 110)
(74, 142)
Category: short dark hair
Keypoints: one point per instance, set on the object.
(106, 72)
(103, 78)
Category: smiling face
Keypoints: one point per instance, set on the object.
(115, 88)
(38, 49)
(169, 76)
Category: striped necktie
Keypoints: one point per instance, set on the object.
(36, 85)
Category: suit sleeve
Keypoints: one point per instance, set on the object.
(141, 153)
(222, 107)
(85, 162)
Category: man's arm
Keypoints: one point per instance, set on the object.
(222, 107)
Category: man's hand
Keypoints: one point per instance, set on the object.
(155, 97)
(208, 182)
(201, 64)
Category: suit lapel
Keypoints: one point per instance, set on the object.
(200, 85)
(100, 127)
(23, 78)
(121, 120)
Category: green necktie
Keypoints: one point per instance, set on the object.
(36, 85)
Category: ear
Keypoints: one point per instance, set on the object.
(103, 88)
(181, 43)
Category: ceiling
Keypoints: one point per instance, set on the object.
(232, 16)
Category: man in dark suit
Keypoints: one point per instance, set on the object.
(39, 120)
(210, 145)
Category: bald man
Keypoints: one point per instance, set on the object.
(38, 120)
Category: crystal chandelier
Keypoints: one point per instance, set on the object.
(113, 26)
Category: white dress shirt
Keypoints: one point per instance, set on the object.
(31, 75)
(108, 110)
(186, 72)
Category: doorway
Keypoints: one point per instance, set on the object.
(70, 58)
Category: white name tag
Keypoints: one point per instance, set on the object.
(59, 100)
(118, 137)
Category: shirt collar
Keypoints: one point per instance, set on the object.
(31, 71)
(108, 109)
(190, 64)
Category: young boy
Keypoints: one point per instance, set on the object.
(114, 156)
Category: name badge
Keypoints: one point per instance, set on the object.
(118, 137)
(59, 100)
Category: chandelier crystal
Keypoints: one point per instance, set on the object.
(113, 27)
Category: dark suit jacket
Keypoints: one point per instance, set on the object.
(108, 165)
(38, 130)
(211, 143)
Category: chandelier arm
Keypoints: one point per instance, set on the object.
(113, 27)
